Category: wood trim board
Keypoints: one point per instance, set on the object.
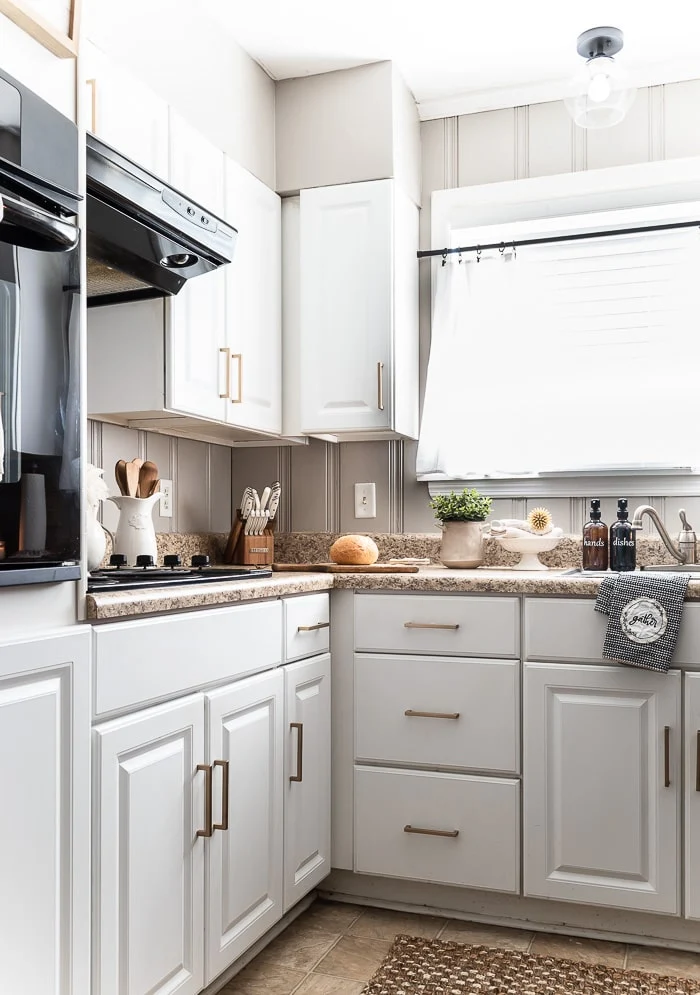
(63, 45)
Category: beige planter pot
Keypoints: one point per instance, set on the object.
(462, 545)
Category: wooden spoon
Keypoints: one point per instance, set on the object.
(148, 474)
(120, 476)
(154, 488)
(133, 469)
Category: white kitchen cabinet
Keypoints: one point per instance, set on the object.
(692, 796)
(359, 311)
(602, 785)
(254, 304)
(307, 811)
(244, 862)
(45, 821)
(148, 869)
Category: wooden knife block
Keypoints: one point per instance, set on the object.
(250, 551)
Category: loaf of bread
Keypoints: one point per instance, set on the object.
(352, 549)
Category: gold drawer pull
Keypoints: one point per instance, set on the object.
(313, 628)
(299, 726)
(380, 386)
(224, 764)
(451, 833)
(92, 83)
(239, 357)
(209, 818)
(667, 756)
(431, 715)
(227, 353)
(697, 764)
(431, 625)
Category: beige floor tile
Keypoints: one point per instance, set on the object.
(334, 917)
(385, 924)
(678, 963)
(258, 979)
(322, 984)
(298, 948)
(488, 936)
(578, 948)
(355, 958)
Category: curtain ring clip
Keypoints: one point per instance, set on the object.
(460, 258)
(515, 252)
(478, 254)
(502, 248)
(444, 257)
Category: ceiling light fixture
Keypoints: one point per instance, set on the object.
(600, 95)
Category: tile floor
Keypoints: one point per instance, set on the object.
(333, 949)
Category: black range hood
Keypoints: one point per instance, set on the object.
(144, 239)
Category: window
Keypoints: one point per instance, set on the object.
(569, 357)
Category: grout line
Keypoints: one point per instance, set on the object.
(532, 940)
(442, 929)
(626, 957)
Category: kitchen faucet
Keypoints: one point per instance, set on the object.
(686, 551)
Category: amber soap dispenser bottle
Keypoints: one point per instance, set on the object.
(595, 541)
(623, 545)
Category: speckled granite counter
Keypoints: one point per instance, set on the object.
(110, 605)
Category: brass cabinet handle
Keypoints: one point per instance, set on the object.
(239, 398)
(430, 625)
(697, 763)
(299, 726)
(313, 628)
(208, 776)
(92, 83)
(431, 715)
(451, 833)
(227, 353)
(380, 386)
(224, 764)
(667, 756)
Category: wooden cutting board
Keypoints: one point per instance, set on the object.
(342, 568)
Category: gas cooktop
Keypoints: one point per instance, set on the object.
(146, 574)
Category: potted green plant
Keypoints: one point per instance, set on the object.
(461, 517)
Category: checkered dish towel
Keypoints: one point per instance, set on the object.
(644, 614)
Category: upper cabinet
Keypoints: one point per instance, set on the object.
(358, 312)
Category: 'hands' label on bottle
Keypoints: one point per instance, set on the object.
(600, 543)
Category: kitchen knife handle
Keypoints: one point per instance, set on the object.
(667, 756)
(299, 726)
(224, 764)
(227, 353)
(208, 776)
(239, 398)
(380, 386)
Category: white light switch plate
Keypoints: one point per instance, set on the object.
(166, 499)
(365, 501)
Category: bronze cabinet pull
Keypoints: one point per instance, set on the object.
(227, 353)
(208, 775)
(697, 763)
(667, 756)
(299, 726)
(431, 715)
(431, 625)
(313, 628)
(451, 833)
(380, 386)
(224, 764)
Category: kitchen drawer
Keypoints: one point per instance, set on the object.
(481, 814)
(151, 659)
(456, 626)
(568, 629)
(306, 626)
(477, 704)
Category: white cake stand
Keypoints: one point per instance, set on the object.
(529, 547)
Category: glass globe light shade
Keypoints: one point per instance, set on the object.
(600, 97)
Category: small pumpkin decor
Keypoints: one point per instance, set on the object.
(461, 517)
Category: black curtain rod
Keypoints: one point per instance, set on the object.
(425, 253)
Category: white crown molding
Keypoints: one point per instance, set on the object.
(681, 485)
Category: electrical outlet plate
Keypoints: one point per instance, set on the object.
(166, 499)
(365, 501)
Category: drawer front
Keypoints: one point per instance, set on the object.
(306, 626)
(558, 629)
(456, 626)
(151, 659)
(477, 819)
(464, 713)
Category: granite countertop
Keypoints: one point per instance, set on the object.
(486, 580)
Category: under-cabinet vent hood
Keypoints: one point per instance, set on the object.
(144, 239)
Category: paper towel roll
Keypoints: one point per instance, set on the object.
(32, 522)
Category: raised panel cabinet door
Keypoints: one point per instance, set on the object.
(244, 863)
(149, 805)
(692, 796)
(347, 291)
(601, 784)
(307, 777)
(45, 819)
(254, 303)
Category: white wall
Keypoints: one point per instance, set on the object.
(53, 79)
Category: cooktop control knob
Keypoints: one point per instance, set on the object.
(117, 560)
(144, 560)
(200, 560)
(172, 560)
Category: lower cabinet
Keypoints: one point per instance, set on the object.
(602, 786)
(307, 780)
(45, 820)
(692, 796)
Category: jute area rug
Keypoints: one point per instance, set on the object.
(415, 966)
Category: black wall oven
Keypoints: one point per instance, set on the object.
(39, 341)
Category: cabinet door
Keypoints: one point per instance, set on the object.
(254, 303)
(692, 797)
(244, 865)
(602, 786)
(195, 318)
(149, 861)
(45, 820)
(307, 809)
(346, 307)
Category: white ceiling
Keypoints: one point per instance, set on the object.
(462, 55)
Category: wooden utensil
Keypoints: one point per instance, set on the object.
(133, 468)
(148, 474)
(120, 476)
(154, 488)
